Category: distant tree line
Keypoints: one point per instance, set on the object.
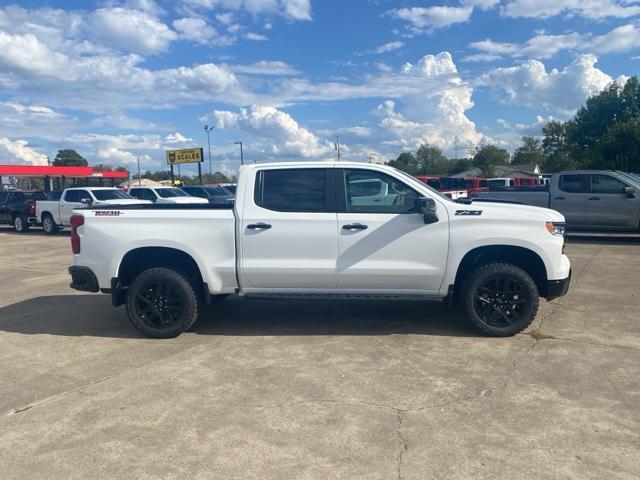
(604, 134)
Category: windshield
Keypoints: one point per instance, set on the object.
(114, 194)
(170, 192)
(3, 197)
(428, 187)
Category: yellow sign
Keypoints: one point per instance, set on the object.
(188, 155)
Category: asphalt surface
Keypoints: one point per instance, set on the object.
(316, 390)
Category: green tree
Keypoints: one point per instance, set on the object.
(69, 158)
(406, 162)
(459, 165)
(530, 152)
(103, 167)
(486, 157)
(555, 147)
(430, 160)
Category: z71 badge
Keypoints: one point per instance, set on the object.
(468, 212)
(107, 213)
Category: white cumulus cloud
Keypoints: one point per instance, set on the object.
(531, 84)
(591, 9)
(432, 18)
(19, 152)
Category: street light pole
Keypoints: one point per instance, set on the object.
(241, 154)
(208, 129)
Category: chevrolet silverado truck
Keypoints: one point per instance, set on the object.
(589, 199)
(55, 212)
(319, 230)
(18, 207)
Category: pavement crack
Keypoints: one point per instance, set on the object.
(58, 396)
(403, 446)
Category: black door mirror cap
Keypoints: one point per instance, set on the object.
(425, 205)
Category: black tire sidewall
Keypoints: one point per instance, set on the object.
(485, 272)
(24, 225)
(44, 223)
(183, 287)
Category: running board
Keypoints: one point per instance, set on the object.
(342, 296)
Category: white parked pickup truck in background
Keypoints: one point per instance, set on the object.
(322, 230)
(164, 195)
(54, 214)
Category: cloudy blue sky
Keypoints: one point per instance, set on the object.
(124, 79)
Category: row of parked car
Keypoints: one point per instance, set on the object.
(24, 209)
(455, 188)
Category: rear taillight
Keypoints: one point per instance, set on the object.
(31, 207)
(76, 221)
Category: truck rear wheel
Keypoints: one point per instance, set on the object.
(500, 299)
(20, 224)
(48, 225)
(162, 303)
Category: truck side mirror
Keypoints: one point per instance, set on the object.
(428, 208)
(630, 191)
(86, 201)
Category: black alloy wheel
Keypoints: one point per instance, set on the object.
(499, 299)
(162, 302)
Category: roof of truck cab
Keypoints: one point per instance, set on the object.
(318, 163)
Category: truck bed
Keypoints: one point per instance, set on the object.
(535, 196)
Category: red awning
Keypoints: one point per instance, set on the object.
(41, 171)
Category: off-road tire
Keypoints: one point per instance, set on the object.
(485, 274)
(169, 300)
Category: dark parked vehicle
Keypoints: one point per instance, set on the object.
(18, 208)
(588, 199)
(216, 195)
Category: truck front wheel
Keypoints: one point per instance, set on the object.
(162, 303)
(499, 299)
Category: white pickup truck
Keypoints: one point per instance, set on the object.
(56, 212)
(316, 230)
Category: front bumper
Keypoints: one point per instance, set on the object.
(558, 288)
(83, 279)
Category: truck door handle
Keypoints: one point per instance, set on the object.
(259, 226)
(594, 198)
(559, 198)
(354, 226)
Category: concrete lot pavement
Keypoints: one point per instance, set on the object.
(296, 389)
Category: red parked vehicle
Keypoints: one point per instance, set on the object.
(444, 185)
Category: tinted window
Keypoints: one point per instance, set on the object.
(495, 183)
(170, 192)
(111, 195)
(389, 196)
(17, 197)
(574, 183)
(196, 192)
(483, 183)
(35, 195)
(294, 190)
(606, 184)
(76, 196)
(3, 197)
(55, 195)
(219, 192)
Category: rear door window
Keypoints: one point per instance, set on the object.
(574, 183)
(293, 190)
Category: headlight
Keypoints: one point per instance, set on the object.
(556, 228)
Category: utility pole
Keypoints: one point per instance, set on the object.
(241, 154)
(208, 129)
(337, 146)
(455, 146)
(139, 179)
